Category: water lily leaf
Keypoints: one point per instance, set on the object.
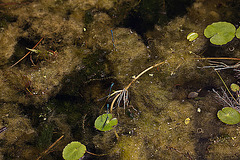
(192, 36)
(238, 33)
(220, 32)
(74, 151)
(105, 122)
(234, 87)
(229, 115)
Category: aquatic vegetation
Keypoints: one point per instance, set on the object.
(234, 87)
(39, 55)
(19, 82)
(105, 122)
(122, 95)
(220, 32)
(26, 54)
(238, 33)
(76, 150)
(45, 136)
(229, 115)
(192, 36)
(73, 151)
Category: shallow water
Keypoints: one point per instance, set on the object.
(58, 89)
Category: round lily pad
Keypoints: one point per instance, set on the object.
(234, 87)
(74, 151)
(238, 33)
(220, 32)
(105, 122)
(229, 115)
(192, 36)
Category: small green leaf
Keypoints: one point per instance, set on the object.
(192, 36)
(74, 151)
(229, 115)
(238, 33)
(105, 122)
(220, 32)
(234, 87)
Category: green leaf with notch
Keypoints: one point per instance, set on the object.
(74, 151)
(220, 32)
(105, 122)
(229, 115)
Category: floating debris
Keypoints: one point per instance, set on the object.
(187, 121)
(3, 129)
(198, 110)
(192, 95)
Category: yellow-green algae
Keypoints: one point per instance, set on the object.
(163, 109)
(157, 129)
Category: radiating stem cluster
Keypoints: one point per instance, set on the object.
(122, 95)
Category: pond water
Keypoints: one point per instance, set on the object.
(63, 62)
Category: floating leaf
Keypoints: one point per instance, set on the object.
(105, 122)
(220, 32)
(238, 33)
(229, 115)
(74, 151)
(234, 87)
(192, 36)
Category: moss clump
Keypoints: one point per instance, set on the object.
(19, 132)
(44, 139)
(130, 148)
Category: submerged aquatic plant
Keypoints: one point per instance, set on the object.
(74, 150)
(38, 55)
(231, 113)
(105, 122)
(121, 96)
(26, 54)
(226, 100)
(229, 99)
(238, 33)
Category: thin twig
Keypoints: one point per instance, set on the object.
(45, 152)
(222, 58)
(220, 65)
(95, 154)
(222, 97)
(126, 88)
(25, 54)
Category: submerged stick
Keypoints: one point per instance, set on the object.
(126, 88)
(222, 58)
(45, 152)
(25, 54)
